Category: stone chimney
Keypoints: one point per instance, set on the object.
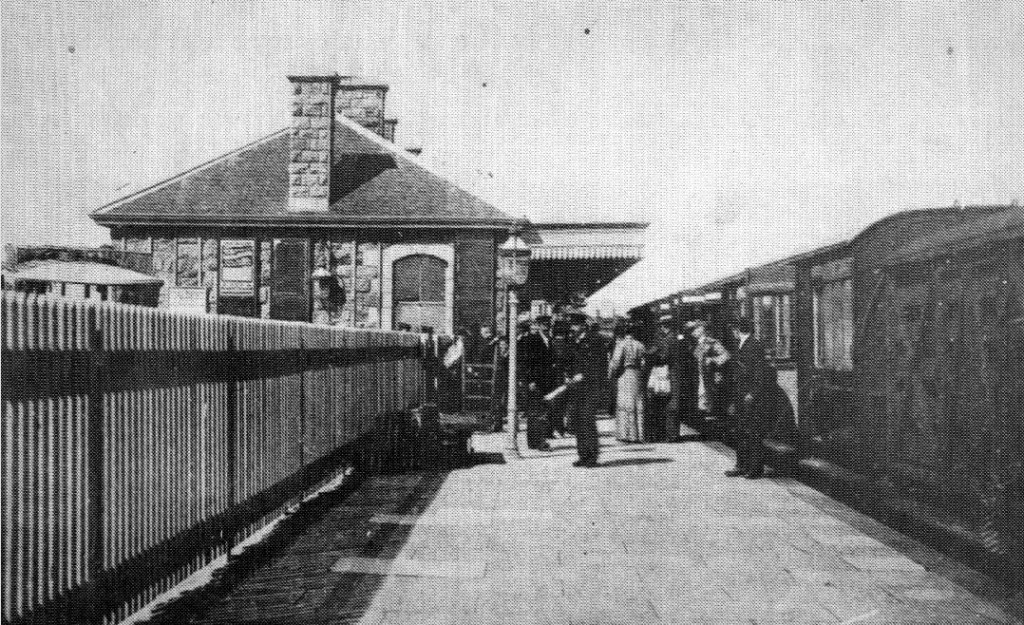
(309, 161)
(389, 129)
(362, 101)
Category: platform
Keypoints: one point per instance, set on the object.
(656, 534)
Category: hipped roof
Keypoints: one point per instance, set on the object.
(374, 184)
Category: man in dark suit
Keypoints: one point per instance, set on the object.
(535, 370)
(751, 375)
(586, 374)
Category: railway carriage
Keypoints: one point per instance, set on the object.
(938, 378)
(910, 366)
(908, 344)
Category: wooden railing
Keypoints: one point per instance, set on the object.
(138, 443)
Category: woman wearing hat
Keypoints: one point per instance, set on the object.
(626, 368)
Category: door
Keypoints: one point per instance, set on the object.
(290, 296)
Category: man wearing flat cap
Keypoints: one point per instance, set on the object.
(586, 372)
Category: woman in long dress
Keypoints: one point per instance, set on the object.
(626, 367)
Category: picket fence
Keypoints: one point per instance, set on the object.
(137, 442)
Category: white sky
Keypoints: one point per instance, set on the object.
(743, 132)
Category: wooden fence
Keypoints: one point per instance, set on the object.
(137, 442)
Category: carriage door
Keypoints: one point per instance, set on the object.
(985, 425)
(418, 294)
(921, 433)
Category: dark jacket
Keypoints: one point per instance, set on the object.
(588, 355)
(535, 361)
(751, 370)
(667, 350)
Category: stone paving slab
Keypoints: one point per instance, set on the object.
(409, 567)
(883, 563)
(656, 535)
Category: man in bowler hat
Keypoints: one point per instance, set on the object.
(751, 369)
(585, 374)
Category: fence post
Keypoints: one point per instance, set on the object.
(95, 476)
(231, 367)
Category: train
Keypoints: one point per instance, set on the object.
(902, 352)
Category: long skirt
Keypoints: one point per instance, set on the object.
(629, 407)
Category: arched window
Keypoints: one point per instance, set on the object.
(418, 292)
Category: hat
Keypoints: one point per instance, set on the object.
(576, 316)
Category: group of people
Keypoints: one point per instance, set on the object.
(565, 370)
(651, 394)
(654, 384)
(561, 376)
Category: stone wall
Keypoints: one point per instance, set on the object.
(264, 264)
(358, 265)
(211, 270)
(367, 290)
(164, 250)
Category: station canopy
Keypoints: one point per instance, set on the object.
(569, 259)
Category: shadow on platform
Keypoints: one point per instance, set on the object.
(630, 462)
(288, 577)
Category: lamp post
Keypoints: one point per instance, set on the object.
(516, 257)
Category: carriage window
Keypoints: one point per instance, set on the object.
(784, 325)
(772, 319)
(764, 319)
(833, 325)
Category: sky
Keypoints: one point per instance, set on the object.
(743, 132)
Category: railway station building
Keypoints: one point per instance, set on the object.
(329, 221)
